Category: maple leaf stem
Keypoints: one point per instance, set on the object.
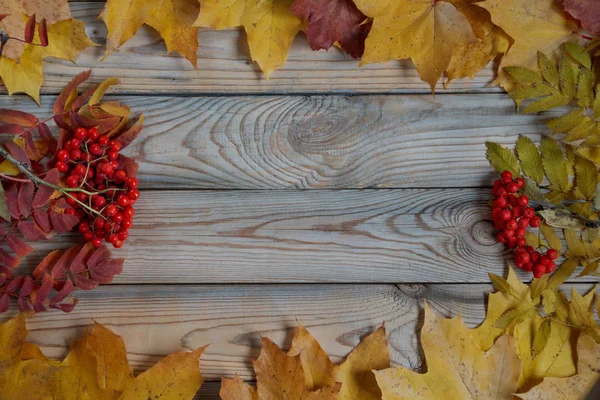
(24, 168)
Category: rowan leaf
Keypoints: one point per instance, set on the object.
(554, 163)
(435, 31)
(454, 358)
(502, 159)
(530, 91)
(533, 192)
(332, 21)
(576, 386)
(524, 75)
(551, 237)
(270, 27)
(173, 19)
(530, 158)
(579, 54)
(538, 285)
(563, 272)
(542, 336)
(548, 69)
(566, 122)
(567, 77)
(546, 103)
(540, 25)
(101, 90)
(4, 214)
(586, 178)
(585, 88)
(502, 285)
(559, 219)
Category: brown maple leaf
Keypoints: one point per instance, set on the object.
(331, 21)
(587, 11)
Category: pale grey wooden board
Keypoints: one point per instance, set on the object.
(224, 66)
(156, 320)
(318, 142)
(319, 236)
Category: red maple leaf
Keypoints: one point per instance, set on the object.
(331, 21)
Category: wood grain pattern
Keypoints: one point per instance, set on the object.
(277, 142)
(224, 66)
(385, 235)
(158, 320)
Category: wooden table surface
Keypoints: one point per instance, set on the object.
(335, 196)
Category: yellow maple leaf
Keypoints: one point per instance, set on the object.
(96, 368)
(270, 26)
(14, 25)
(355, 373)
(469, 58)
(65, 40)
(426, 32)
(456, 367)
(574, 387)
(534, 25)
(171, 18)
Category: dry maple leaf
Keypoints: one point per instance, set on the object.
(270, 26)
(468, 59)
(587, 11)
(14, 24)
(171, 18)
(457, 368)
(96, 368)
(307, 370)
(574, 387)
(534, 25)
(331, 21)
(66, 39)
(426, 32)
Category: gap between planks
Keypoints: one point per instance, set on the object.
(315, 236)
(318, 142)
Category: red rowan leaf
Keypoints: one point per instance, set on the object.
(30, 231)
(85, 283)
(3, 278)
(7, 273)
(25, 198)
(27, 287)
(106, 270)
(17, 152)
(84, 97)
(59, 104)
(4, 302)
(331, 21)
(66, 290)
(16, 117)
(15, 284)
(24, 304)
(11, 129)
(128, 165)
(82, 120)
(30, 29)
(47, 137)
(63, 136)
(19, 247)
(8, 260)
(42, 219)
(129, 135)
(44, 291)
(43, 32)
(78, 264)
(12, 200)
(64, 262)
(42, 196)
(62, 222)
(101, 254)
(30, 147)
(587, 11)
(47, 264)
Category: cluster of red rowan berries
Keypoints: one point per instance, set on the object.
(102, 195)
(512, 215)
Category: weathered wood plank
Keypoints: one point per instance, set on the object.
(224, 66)
(275, 142)
(399, 235)
(158, 320)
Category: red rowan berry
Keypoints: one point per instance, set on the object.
(505, 214)
(83, 227)
(63, 155)
(62, 166)
(528, 212)
(122, 200)
(97, 241)
(80, 133)
(135, 194)
(118, 217)
(72, 181)
(520, 232)
(521, 242)
(103, 140)
(552, 254)
(133, 183)
(520, 182)
(127, 223)
(506, 176)
(88, 235)
(79, 170)
(511, 224)
(538, 270)
(128, 212)
(524, 222)
(95, 149)
(115, 146)
(523, 200)
(98, 223)
(123, 234)
(512, 188)
(100, 201)
(535, 221)
(70, 211)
